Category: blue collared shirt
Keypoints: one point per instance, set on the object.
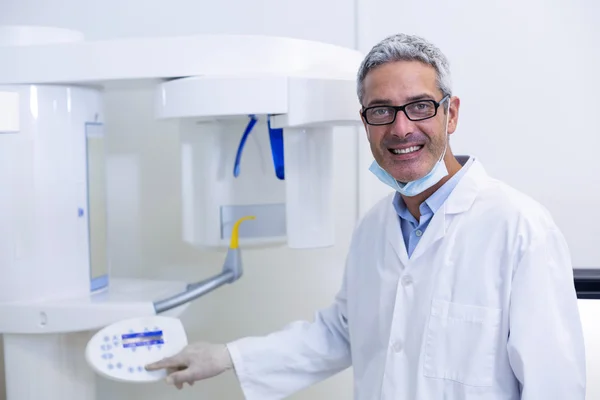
(412, 230)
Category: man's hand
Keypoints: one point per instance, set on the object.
(195, 362)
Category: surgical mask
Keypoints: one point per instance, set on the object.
(413, 188)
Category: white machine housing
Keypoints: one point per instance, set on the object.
(54, 257)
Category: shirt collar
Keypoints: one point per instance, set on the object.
(433, 203)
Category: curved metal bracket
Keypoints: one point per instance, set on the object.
(232, 271)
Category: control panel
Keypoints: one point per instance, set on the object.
(122, 350)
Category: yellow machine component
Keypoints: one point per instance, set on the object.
(233, 244)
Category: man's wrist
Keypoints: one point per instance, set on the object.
(225, 358)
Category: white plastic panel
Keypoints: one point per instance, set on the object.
(309, 187)
(57, 362)
(321, 102)
(9, 112)
(149, 59)
(24, 35)
(221, 96)
(44, 246)
(125, 298)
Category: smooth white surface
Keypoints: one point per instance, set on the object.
(49, 367)
(590, 319)
(9, 112)
(141, 59)
(431, 326)
(321, 102)
(309, 187)
(44, 243)
(125, 298)
(293, 101)
(110, 354)
(210, 96)
(22, 35)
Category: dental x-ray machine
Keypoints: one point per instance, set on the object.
(56, 287)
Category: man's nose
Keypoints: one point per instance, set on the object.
(402, 126)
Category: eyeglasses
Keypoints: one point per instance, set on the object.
(414, 111)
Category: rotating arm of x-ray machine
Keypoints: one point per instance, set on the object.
(232, 271)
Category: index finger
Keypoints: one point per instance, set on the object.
(169, 362)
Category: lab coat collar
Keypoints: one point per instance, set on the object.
(464, 194)
(460, 200)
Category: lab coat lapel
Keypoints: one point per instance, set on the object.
(394, 235)
(459, 201)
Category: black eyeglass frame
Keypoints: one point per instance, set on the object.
(403, 109)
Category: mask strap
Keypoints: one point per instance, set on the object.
(446, 132)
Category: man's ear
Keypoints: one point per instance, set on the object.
(453, 114)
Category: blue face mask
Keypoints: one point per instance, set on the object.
(413, 188)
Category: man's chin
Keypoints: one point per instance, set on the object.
(406, 178)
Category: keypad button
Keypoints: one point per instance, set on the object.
(119, 365)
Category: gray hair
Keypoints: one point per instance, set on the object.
(403, 47)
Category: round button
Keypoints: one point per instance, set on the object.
(419, 233)
(407, 280)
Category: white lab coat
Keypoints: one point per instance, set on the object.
(484, 309)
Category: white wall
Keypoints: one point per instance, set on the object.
(144, 181)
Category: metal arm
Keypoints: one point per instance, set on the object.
(232, 271)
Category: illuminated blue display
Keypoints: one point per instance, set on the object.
(142, 339)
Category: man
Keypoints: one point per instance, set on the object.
(457, 287)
